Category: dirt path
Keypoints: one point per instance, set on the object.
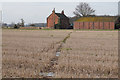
(49, 71)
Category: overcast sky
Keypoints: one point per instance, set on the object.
(37, 12)
(59, 0)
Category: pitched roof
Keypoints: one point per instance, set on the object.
(60, 15)
(97, 19)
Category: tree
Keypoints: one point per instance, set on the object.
(117, 23)
(83, 9)
(12, 24)
(15, 26)
(22, 22)
(18, 24)
(32, 25)
(4, 25)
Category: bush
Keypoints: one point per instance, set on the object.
(16, 26)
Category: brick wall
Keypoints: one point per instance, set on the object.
(101, 25)
(54, 18)
(64, 23)
(51, 19)
(86, 25)
(81, 25)
(112, 25)
(94, 25)
(91, 25)
(76, 25)
(106, 24)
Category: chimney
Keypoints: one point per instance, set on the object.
(62, 12)
(53, 10)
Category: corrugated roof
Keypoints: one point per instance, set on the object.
(60, 15)
(97, 19)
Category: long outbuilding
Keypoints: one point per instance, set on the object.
(98, 22)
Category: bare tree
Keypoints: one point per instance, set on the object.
(83, 9)
(22, 22)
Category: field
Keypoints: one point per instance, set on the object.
(59, 54)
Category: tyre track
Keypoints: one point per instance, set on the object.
(49, 71)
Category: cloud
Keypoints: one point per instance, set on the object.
(59, 0)
(39, 11)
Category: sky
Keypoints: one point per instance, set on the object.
(59, 0)
(0, 14)
(119, 8)
(37, 12)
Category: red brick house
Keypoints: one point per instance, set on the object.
(97, 22)
(58, 20)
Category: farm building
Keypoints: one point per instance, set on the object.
(97, 22)
(58, 20)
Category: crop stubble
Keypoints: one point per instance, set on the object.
(92, 54)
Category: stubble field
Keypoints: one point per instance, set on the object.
(82, 54)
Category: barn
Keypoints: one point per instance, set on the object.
(58, 21)
(97, 22)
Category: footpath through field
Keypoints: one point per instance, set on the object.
(50, 70)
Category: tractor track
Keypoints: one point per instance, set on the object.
(49, 71)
